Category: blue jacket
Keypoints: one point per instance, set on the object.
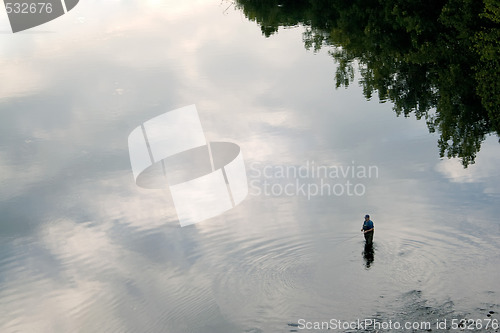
(367, 225)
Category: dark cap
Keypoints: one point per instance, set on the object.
(367, 216)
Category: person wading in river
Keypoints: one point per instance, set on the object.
(368, 230)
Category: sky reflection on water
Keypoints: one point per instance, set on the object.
(83, 248)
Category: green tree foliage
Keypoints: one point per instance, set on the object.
(437, 59)
(487, 46)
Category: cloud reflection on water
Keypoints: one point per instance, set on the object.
(95, 252)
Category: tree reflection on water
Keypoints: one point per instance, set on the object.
(437, 59)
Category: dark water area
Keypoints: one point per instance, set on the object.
(84, 249)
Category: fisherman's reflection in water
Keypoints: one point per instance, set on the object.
(368, 255)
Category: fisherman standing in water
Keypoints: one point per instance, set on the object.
(368, 230)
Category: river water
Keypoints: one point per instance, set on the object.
(84, 249)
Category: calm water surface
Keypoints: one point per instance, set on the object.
(84, 249)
